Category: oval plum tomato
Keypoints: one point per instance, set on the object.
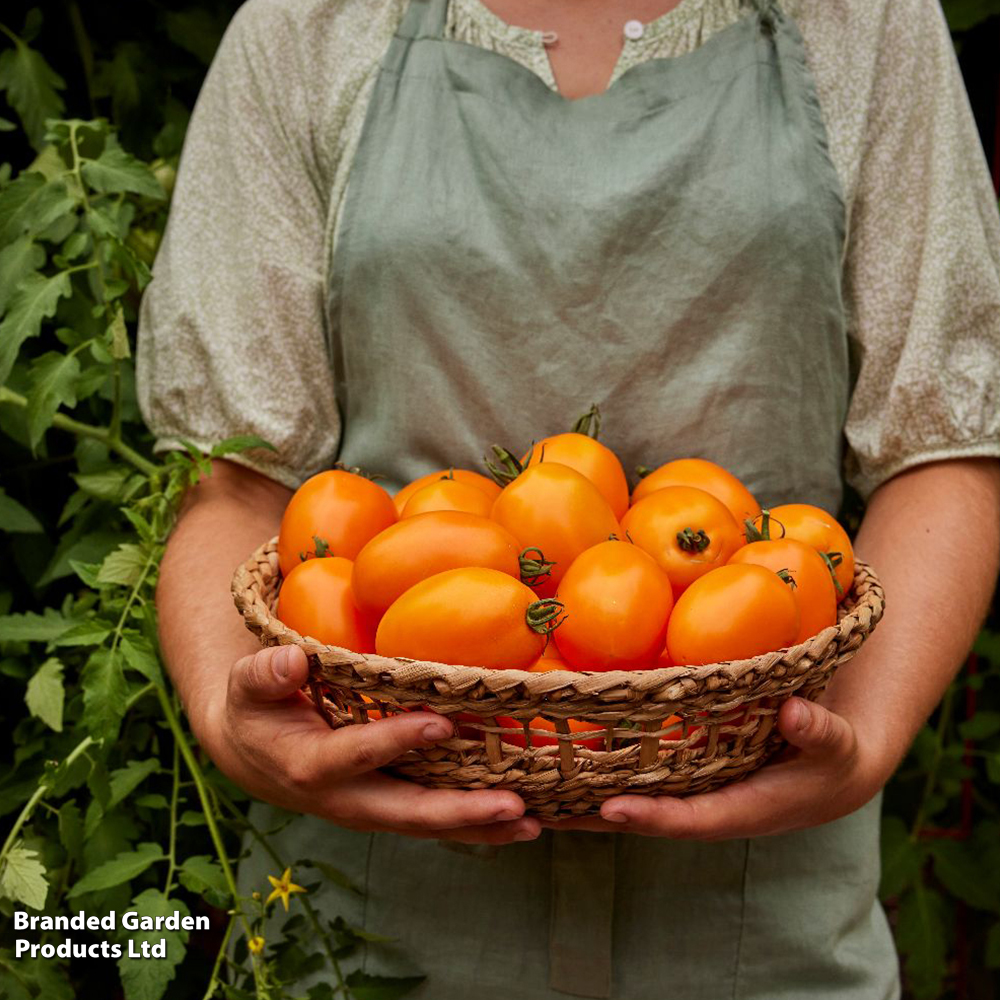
(476, 479)
(316, 600)
(472, 616)
(617, 602)
(813, 586)
(703, 475)
(591, 459)
(732, 613)
(557, 510)
(424, 545)
(686, 530)
(448, 494)
(815, 527)
(336, 512)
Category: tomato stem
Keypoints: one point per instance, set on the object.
(786, 577)
(507, 467)
(642, 471)
(589, 423)
(763, 533)
(534, 567)
(543, 616)
(833, 560)
(693, 541)
(356, 470)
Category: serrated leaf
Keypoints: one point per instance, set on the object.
(34, 301)
(32, 87)
(124, 780)
(104, 694)
(203, 875)
(140, 657)
(16, 519)
(122, 868)
(105, 485)
(148, 979)
(53, 379)
(17, 261)
(241, 442)
(30, 204)
(87, 572)
(334, 875)
(959, 866)
(153, 801)
(45, 694)
(965, 14)
(920, 936)
(981, 726)
(71, 830)
(32, 627)
(367, 987)
(116, 171)
(22, 878)
(90, 632)
(124, 566)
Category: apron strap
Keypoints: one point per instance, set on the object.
(424, 19)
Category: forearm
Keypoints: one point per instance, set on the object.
(933, 536)
(224, 518)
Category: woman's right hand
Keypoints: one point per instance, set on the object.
(266, 735)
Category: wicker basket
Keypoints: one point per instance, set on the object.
(724, 730)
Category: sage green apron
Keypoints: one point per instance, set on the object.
(670, 249)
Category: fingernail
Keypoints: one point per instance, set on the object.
(280, 662)
(615, 817)
(523, 835)
(800, 716)
(505, 815)
(436, 731)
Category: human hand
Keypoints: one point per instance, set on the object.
(828, 771)
(265, 735)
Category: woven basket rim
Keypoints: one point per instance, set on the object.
(865, 602)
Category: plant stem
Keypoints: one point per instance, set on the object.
(102, 434)
(214, 979)
(172, 853)
(42, 790)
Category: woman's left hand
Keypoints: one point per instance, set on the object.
(828, 771)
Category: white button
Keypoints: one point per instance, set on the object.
(634, 30)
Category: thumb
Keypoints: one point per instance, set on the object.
(270, 675)
(815, 729)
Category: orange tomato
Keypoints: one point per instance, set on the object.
(316, 600)
(704, 475)
(595, 461)
(471, 616)
(448, 494)
(339, 509)
(557, 510)
(814, 591)
(686, 530)
(732, 613)
(466, 476)
(815, 527)
(421, 546)
(617, 601)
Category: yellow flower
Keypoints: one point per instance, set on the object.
(283, 888)
(256, 944)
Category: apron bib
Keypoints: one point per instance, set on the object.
(670, 249)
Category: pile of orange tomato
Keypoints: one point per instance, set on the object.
(554, 564)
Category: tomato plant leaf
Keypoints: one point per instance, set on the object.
(33, 627)
(45, 694)
(203, 875)
(116, 171)
(144, 978)
(16, 519)
(122, 868)
(34, 300)
(104, 485)
(981, 726)
(53, 384)
(959, 866)
(104, 694)
(32, 87)
(22, 877)
(17, 261)
(86, 633)
(124, 566)
(30, 204)
(902, 858)
(139, 656)
(364, 986)
(241, 442)
(71, 830)
(992, 950)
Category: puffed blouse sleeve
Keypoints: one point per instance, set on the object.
(922, 268)
(232, 332)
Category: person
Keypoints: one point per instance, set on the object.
(761, 233)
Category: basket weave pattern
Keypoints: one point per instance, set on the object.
(726, 711)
